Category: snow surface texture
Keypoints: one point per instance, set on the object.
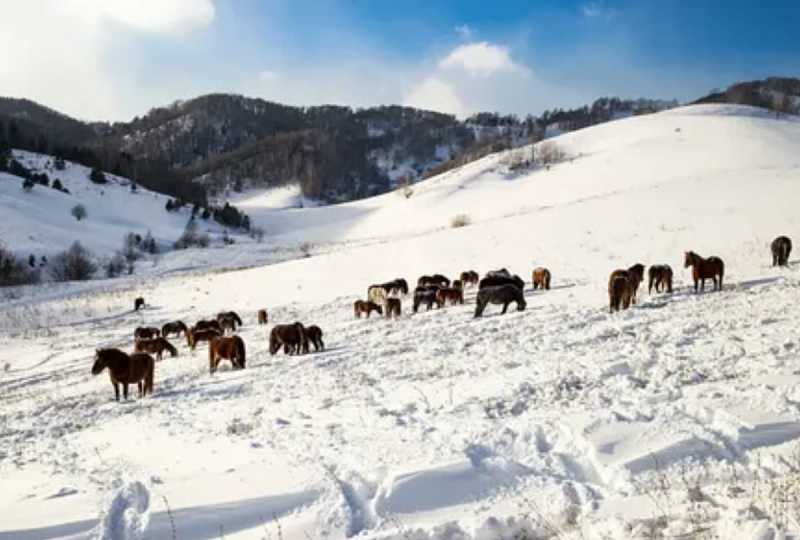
(678, 418)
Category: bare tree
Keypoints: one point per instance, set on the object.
(79, 212)
(75, 264)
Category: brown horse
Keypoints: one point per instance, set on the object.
(124, 369)
(208, 324)
(368, 306)
(393, 307)
(291, 336)
(635, 274)
(155, 346)
(146, 332)
(195, 336)
(541, 279)
(781, 248)
(503, 294)
(457, 284)
(229, 319)
(449, 296)
(660, 277)
(703, 269)
(435, 279)
(469, 277)
(226, 348)
(314, 334)
(620, 292)
(174, 327)
(262, 316)
(138, 303)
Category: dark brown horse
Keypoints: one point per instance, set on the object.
(195, 336)
(314, 334)
(781, 248)
(425, 295)
(435, 279)
(174, 327)
(635, 274)
(229, 319)
(541, 279)
(393, 307)
(469, 277)
(620, 292)
(262, 316)
(498, 279)
(368, 306)
(712, 268)
(124, 369)
(146, 332)
(138, 303)
(503, 294)
(457, 284)
(290, 336)
(226, 348)
(155, 346)
(449, 296)
(660, 277)
(208, 324)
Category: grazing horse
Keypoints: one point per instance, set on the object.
(393, 307)
(541, 279)
(703, 269)
(155, 346)
(229, 319)
(262, 316)
(226, 348)
(449, 296)
(209, 324)
(620, 292)
(291, 336)
(494, 273)
(138, 303)
(503, 294)
(146, 332)
(435, 279)
(174, 327)
(314, 334)
(124, 369)
(781, 248)
(195, 336)
(635, 274)
(361, 306)
(498, 280)
(457, 284)
(425, 295)
(469, 277)
(660, 277)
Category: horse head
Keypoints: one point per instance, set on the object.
(688, 259)
(99, 362)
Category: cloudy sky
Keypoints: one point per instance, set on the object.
(114, 59)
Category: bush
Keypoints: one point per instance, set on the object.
(75, 264)
(191, 237)
(203, 240)
(257, 234)
(79, 212)
(114, 266)
(97, 176)
(57, 185)
(460, 220)
(549, 153)
(28, 184)
(59, 163)
(14, 271)
(130, 250)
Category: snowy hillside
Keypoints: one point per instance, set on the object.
(678, 418)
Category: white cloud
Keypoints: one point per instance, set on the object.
(77, 55)
(594, 10)
(481, 59)
(435, 94)
(464, 32)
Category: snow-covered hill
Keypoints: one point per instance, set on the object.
(676, 419)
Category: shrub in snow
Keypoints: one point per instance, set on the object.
(28, 184)
(460, 220)
(97, 176)
(75, 264)
(203, 240)
(14, 271)
(114, 266)
(549, 153)
(57, 185)
(257, 234)
(79, 212)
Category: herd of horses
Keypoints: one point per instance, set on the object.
(498, 287)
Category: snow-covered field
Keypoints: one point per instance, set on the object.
(679, 418)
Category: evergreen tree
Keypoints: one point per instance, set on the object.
(28, 184)
(59, 163)
(57, 185)
(97, 176)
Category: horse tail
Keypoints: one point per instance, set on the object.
(211, 346)
(151, 375)
(240, 351)
(236, 316)
(273, 340)
(171, 348)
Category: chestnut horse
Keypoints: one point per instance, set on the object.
(703, 269)
(174, 327)
(155, 346)
(449, 296)
(361, 306)
(541, 279)
(469, 277)
(660, 277)
(124, 369)
(291, 336)
(226, 348)
(262, 316)
(146, 332)
(195, 336)
(635, 274)
(620, 292)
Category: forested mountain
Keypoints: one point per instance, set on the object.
(219, 142)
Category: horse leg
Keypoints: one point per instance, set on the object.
(505, 308)
(116, 390)
(140, 387)
(125, 390)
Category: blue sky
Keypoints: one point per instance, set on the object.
(458, 56)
